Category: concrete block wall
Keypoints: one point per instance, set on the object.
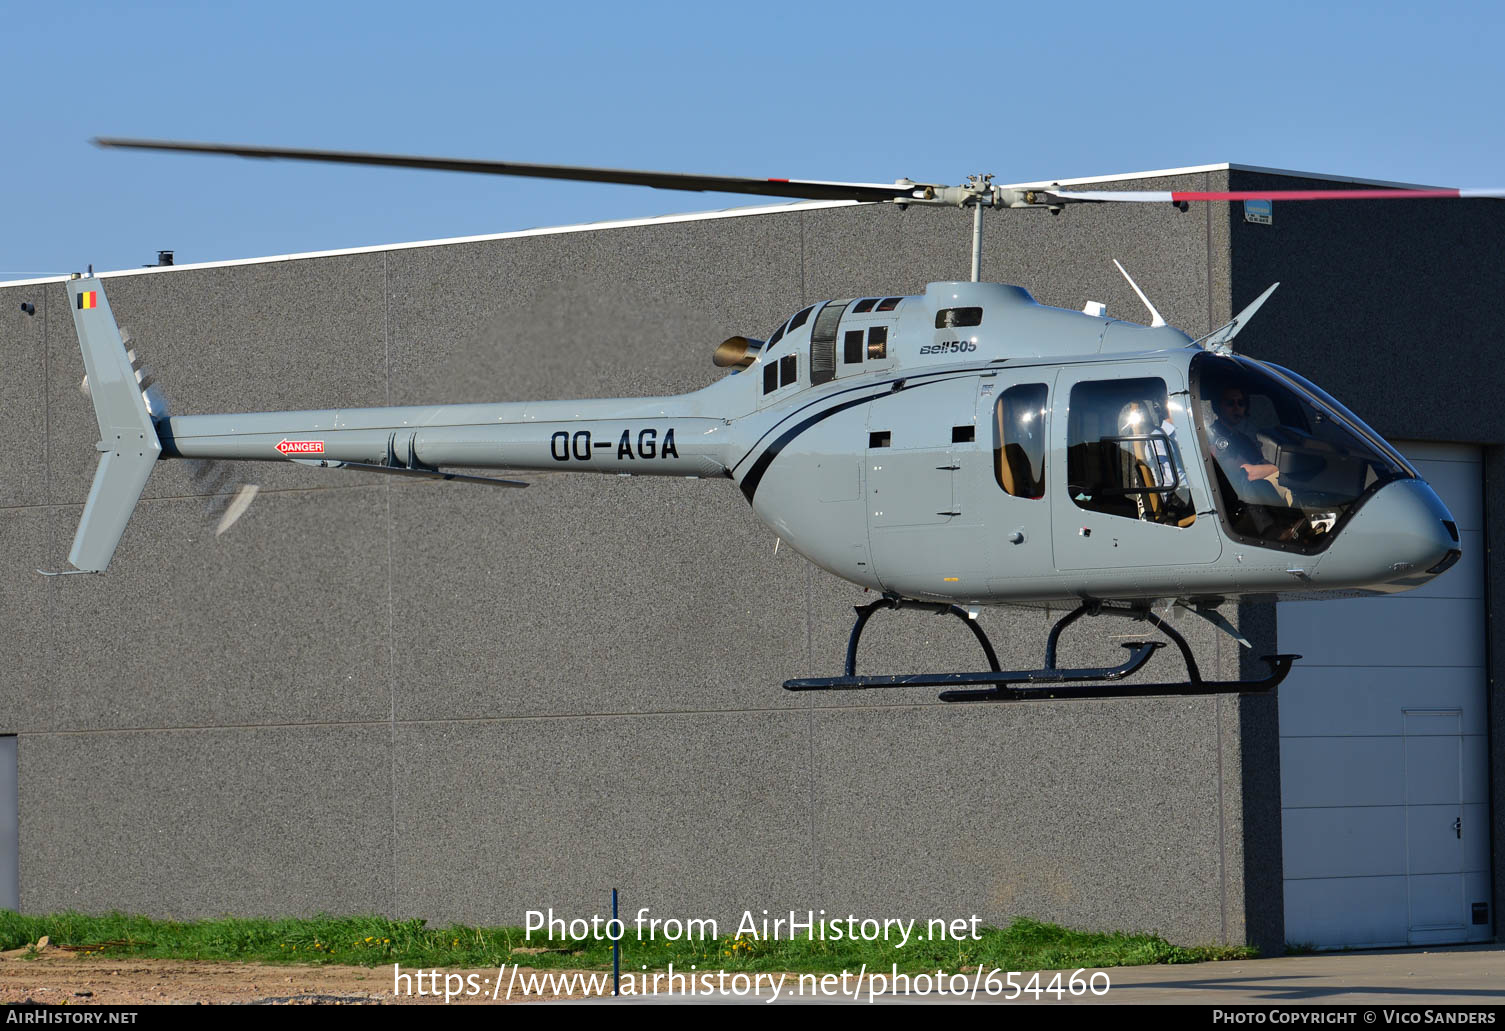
(458, 703)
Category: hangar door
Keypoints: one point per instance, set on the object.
(1384, 749)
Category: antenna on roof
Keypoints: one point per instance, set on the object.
(1156, 319)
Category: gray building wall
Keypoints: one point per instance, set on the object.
(446, 701)
(1393, 308)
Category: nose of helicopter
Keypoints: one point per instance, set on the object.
(1399, 539)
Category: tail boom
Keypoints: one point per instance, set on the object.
(653, 436)
(531, 436)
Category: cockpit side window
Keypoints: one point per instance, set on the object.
(1288, 464)
(800, 317)
(866, 304)
(778, 335)
(1122, 456)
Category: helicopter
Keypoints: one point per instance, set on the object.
(957, 449)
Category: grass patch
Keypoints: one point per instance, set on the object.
(375, 941)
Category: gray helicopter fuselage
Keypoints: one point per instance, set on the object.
(891, 473)
(923, 446)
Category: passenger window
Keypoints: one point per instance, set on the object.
(954, 318)
(789, 370)
(889, 303)
(1122, 456)
(851, 346)
(770, 377)
(1019, 440)
(866, 304)
(877, 342)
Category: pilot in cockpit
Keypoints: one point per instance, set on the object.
(1287, 465)
(1269, 508)
(1239, 454)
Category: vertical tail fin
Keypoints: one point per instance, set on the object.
(128, 441)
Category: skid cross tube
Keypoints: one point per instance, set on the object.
(1051, 681)
(865, 612)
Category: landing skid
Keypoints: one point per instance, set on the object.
(1050, 681)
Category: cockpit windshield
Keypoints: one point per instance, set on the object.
(1288, 463)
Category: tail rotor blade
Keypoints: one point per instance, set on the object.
(237, 507)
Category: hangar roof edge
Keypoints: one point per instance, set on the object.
(584, 227)
(1228, 166)
(695, 216)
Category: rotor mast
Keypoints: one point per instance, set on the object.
(978, 193)
(977, 242)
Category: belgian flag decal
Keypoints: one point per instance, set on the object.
(87, 299)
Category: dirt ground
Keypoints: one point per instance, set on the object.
(60, 978)
(1461, 976)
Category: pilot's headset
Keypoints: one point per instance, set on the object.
(1158, 416)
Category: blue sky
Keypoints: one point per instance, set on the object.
(869, 92)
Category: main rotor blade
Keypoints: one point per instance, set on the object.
(1179, 196)
(805, 189)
